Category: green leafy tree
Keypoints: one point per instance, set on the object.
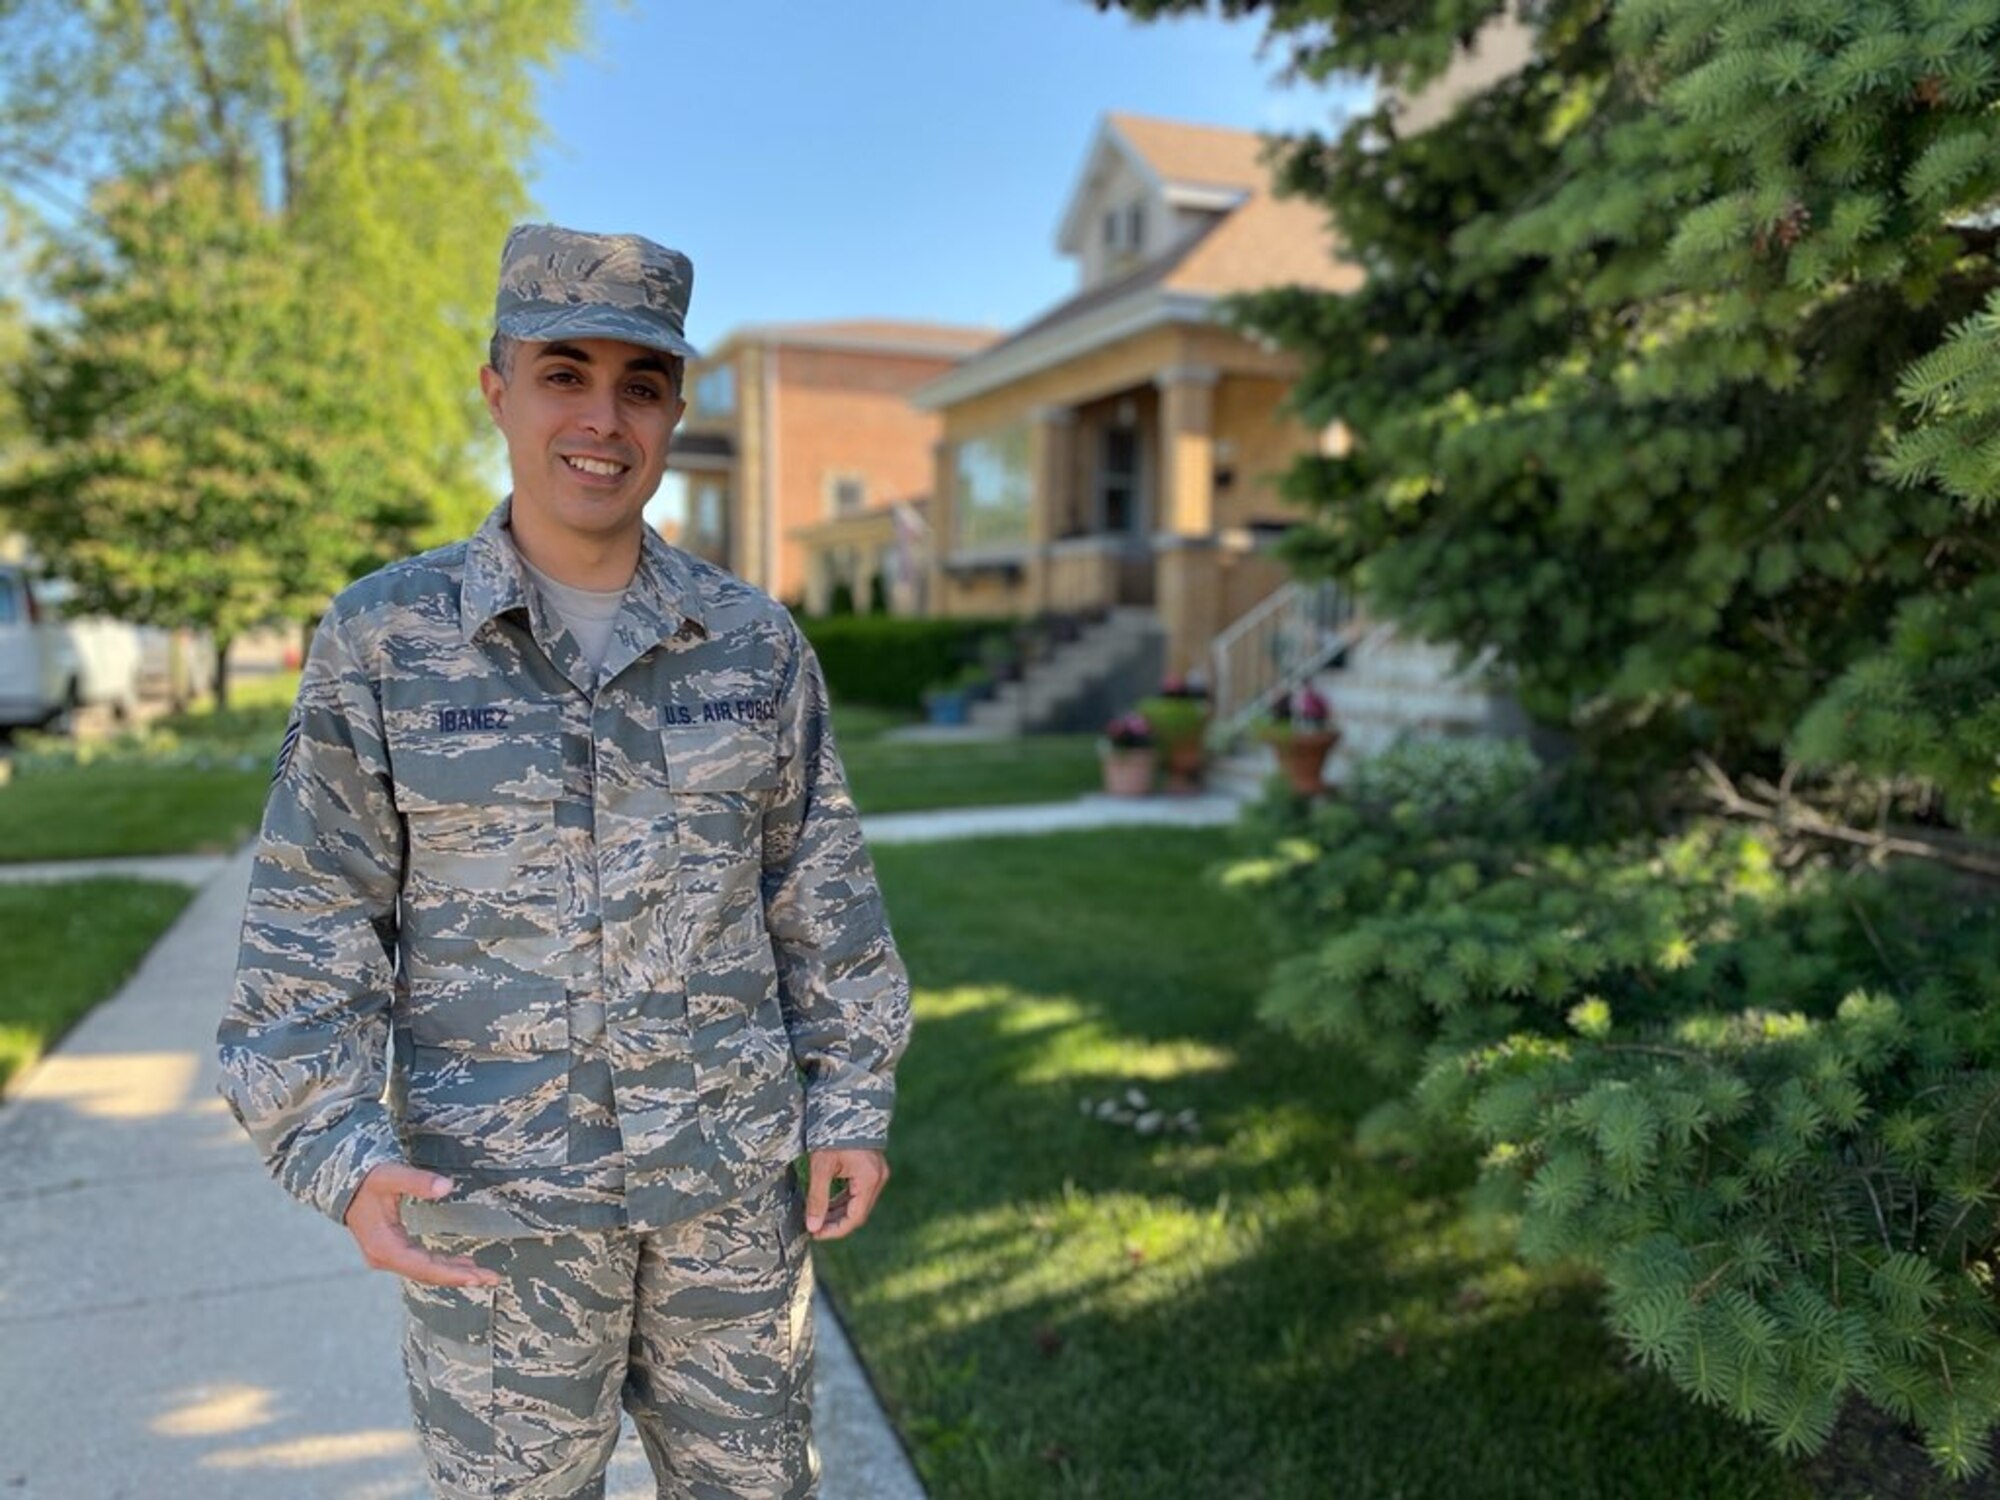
(200, 461)
(271, 266)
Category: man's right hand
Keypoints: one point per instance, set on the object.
(375, 1219)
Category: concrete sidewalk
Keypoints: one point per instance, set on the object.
(1207, 810)
(176, 1329)
(177, 869)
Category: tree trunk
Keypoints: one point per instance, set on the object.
(222, 645)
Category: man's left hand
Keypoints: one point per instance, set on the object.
(829, 1215)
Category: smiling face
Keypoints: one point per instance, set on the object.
(587, 423)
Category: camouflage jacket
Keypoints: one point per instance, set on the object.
(603, 950)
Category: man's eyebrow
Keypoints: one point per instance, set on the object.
(560, 350)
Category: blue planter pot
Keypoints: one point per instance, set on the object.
(951, 707)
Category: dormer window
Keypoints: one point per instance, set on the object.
(1124, 229)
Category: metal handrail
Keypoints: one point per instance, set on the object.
(1274, 648)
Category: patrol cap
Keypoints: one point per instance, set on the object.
(560, 283)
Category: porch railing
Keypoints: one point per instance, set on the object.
(1273, 649)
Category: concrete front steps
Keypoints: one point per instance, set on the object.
(1106, 670)
(1387, 686)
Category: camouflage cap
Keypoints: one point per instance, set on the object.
(560, 283)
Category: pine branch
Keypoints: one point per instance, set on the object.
(1969, 855)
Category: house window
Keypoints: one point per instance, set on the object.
(705, 512)
(993, 495)
(846, 494)
(1118, 480)
(1125, 228)
(715, 391)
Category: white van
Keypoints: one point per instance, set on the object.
(41, 679)
(109, 656)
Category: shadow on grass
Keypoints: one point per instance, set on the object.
(1057, 1305)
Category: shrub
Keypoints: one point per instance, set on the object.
(1788, 1183)
(1435, 777)
(888, 661)
(1758, 1092)
(1176, 719)
(221, 739)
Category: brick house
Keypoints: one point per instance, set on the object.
(806, 464)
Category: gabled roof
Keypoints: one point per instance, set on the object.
(1253, 240)
(1191, 166)
(1268, 242)
(1195, 154)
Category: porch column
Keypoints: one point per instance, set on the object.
(1054, 459)
(1187, 582)
(1187, 450)
(943, 526)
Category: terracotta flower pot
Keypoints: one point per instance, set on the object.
(1302, 757)
(1128, 772)
(1185, 762)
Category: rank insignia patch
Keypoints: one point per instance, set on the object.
(285, 750)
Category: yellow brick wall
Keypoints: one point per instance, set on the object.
(1264, 442)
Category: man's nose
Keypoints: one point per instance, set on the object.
(600, 412)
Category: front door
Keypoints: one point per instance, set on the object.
(1122, 511)
(1120, 499)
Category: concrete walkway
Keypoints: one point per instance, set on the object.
(179, 869)
(1210, 810)
(176, 1329)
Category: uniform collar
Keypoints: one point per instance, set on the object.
(662, 602)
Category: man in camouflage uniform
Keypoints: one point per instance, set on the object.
(562, 943)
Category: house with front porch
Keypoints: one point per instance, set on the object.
(1124, 449)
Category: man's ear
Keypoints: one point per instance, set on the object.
(492, 386)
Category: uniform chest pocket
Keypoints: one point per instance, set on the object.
(720, 759)
(480, 810)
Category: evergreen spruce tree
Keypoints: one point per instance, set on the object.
(1676, 378)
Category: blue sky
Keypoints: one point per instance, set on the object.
(892, 158)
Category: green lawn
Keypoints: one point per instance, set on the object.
(187, 783)
(102, 810)
(143, 798)
(64, 947)
(896, 776)
(1056, 1305)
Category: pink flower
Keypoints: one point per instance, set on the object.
(1129, 731)
(1309, 707)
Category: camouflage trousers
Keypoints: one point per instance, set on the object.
(702, 1331)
